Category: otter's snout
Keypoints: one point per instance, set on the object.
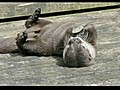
(70, 51)
(74, 40)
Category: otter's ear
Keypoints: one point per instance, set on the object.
(67, 35)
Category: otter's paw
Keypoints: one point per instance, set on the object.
(22, 38)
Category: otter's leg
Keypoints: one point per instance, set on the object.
(32, 20)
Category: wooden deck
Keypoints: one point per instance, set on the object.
(16, 70)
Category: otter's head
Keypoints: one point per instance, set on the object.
(78, 53)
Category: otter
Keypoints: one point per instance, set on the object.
(43, 37)
(78, 49)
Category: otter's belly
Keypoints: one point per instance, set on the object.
(51, 37)
(51, 45)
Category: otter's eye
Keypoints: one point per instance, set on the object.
(71, 41)
(89, 59)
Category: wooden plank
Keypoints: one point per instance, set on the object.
(16, 70)
(61, 13)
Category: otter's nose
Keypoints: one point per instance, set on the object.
(77, 40)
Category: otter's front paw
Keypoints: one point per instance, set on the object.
(22, 38)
